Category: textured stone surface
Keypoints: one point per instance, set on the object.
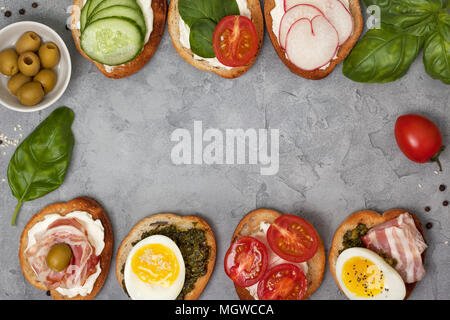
(337, 152)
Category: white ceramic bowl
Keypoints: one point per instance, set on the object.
(8, 38)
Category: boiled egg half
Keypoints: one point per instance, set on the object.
(154, 269)
(364, 275)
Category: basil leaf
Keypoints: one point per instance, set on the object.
(382, 56)
(40, 162)
(416, 17)
(436, 54)
(201, 38)
(215, 10)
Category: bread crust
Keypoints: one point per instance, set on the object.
(79, 204)
(250, 225)
(182, 223)
(174, 30)
(159, 21)
(343, 51)
(370, 219)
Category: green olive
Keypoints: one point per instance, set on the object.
(47, 78)
(9, 62)
(15, 82)
(30, 93)
(49, 54)
(29, 64)
(29, 41)
(59, 257)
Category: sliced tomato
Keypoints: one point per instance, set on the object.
(293, 238)
(246, 261)
(235, 41)
(283, 282)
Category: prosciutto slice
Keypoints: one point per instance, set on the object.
(82, 264)
(400, 239)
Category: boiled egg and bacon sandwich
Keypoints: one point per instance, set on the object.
(275, 257)
(67, 248)
(166, 257)
(378, 257)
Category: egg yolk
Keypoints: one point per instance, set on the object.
(155, 264)
(362, 277)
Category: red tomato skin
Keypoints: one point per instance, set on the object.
(228, 23)
(418, 137)
(301, 279)
(271, 238)
(230, 254)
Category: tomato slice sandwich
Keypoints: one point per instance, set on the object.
(275, 257)
(220, 36)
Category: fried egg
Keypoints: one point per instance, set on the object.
(154, 270)
(364, 275)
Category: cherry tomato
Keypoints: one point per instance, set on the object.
(293, 238)
(235, 41)
(419, 138)
(283, 282)
(246, 261)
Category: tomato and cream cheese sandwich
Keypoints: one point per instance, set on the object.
(118, 36)
(275, 257)
(66, 249)
(378, 257)
(312, 36)
(220, 36)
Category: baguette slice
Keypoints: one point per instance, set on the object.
(182, 223)
(370, 219)
(174, 30)
(79, 204)
(250, 225)
(116, 72)
(343, 51)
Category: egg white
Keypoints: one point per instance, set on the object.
(139, 290)
(394, 286)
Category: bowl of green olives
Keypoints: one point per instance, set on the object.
(35, 66)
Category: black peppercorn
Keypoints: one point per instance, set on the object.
(427, 209)
(22, 11)
(34, 5)
(8, 14)
(442, 187)
(429, 225)
(445, 203)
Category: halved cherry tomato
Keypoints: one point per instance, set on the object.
(246, 261)
(419, 138)
(235, 41)
(293, 238)
(283, 282)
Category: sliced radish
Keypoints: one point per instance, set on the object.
(293, 15)
(334, 11)
(311, 44)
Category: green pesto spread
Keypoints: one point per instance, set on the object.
(353, 239)
(194, 249)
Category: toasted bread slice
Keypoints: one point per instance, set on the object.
(370, 219)
(250, 224)
(174, 30)
(343, 51)
(116, 72)
(79, 204)
(182, 223)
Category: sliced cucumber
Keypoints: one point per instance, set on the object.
(112, 41)
(110, 3)
(92, 6)
(84, 15)
(121, 12)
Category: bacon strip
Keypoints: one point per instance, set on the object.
(400, 239)
(84, 260)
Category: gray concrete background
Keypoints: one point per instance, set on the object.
(337, 152)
